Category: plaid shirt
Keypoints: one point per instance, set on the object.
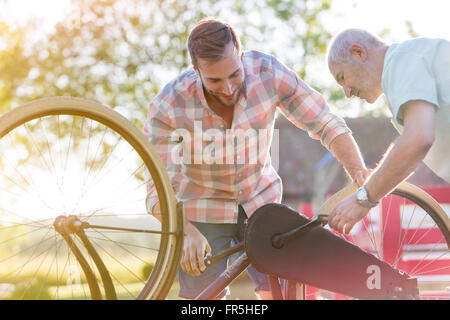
(210, 184)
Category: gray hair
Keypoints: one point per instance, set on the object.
(339, 48)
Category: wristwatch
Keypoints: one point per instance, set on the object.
(363, 199)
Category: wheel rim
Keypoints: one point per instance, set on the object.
(74, 165)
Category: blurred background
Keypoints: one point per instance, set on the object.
(121, 52)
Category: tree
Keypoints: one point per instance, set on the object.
(121, 52)
(14, 64)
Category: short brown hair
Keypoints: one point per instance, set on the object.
(209, 38)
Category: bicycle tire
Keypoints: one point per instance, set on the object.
(425, 269)
(166, 263)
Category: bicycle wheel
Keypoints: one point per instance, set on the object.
(408, 230)
(67, 157)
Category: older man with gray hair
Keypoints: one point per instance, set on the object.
(414, 75)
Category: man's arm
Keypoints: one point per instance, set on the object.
(408, 150)
(399, 162)
(347, 152)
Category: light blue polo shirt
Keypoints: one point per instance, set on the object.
(419, 69)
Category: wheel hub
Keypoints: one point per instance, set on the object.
(68, 224)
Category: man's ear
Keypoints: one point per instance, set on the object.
(359, 52)
(195, 69)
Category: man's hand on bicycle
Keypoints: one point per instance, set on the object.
(349, 211)
(195, 246)
(346, 214)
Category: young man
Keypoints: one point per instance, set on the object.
(229, 95)
(415, 77)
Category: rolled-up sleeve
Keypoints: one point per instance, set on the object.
(159, 127)
(305, 107)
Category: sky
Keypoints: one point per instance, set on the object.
(20, 11)
(429, 17)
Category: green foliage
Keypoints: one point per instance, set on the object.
(14, 65)
(121, 52)
(411, 31)
(116, 52)
(308, 32)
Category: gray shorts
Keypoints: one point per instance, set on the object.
(219, 236)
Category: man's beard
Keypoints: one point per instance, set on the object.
(217, 97)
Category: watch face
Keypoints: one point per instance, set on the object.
(360, 195)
